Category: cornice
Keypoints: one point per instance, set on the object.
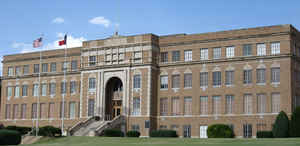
(43, 57)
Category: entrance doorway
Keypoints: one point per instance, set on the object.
(203, 131)
(113, 98)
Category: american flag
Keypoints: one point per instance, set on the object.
(37, 43)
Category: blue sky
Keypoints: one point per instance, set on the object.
(22, 21)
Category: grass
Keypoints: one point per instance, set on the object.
(107, 141)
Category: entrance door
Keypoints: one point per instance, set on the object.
(203, 131)
(117, 108)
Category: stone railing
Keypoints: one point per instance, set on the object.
(109, 124)
(81, 124)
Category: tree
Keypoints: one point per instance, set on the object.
(281, 126)
(295, 123)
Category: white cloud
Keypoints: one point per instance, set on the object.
(58, 20)
(100, 21)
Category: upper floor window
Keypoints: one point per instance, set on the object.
(10, 71)
(35, 90)
(204, 54)
(53, 67)
(188, 80)
(275, 48)
(74, 65)
(92, 60)
(18, 70)
(275, 75)
(92, 83)
(63, 87)
(44, 89)
(261, 75)
(217, 78)
(261, 103)
(25, 90)
(216, 107)
(229, 104)
(247, 103)
(9, 91)
(217, 53)
(247, 76)
(52, 88)
(164, 82)
(261, 49)
(45, 67)
(17, 91)
(164, 106)
(275, 98)
(137, 81)
(176, 81)
(203, 79)
(203, 105)
(187, 105)
(247, 50)
(188, 55)
(136, 110)
(175, 107)
(175, 56)
(64, 66)
(36, 68)
(26, 69)
(229, 77)
(229, 52)
(164, 57)
(73, 87)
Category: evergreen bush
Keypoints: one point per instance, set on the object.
(133, 134)
(281, 126)
(163, 133)
(113, 133)
(219, 131)
(295, 123)
(264, 134)
(10, 137)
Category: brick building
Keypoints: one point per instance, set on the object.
(184, 82)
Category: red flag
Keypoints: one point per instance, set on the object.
(37, 43)
(63, 42)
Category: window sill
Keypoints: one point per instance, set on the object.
(229, 85)
(187, 88)
(261, 84)
(250, 84)
(217, 86)
(163, 89)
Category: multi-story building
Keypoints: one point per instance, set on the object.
(242, 78)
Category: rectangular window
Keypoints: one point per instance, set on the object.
(217, 53)
(44, 89)
(164, 57)
(188, 55)
(23, 111)
(229, 52)
(15, 111)
(72, 110)
(216, 105)
(188, 105)
(7, 111)
(164, 82)
(52, 88)
(275, 75)
(73, 87)
(136, 106)
(9, 91)
(247, 50)
(18, 71)
(34, 111)
(137, 81)
(92, 60)
(25, 90)
(36, 68)
(203, 105)
(17, 91)
(175, 106)
(45, 67)
(92, 83)
(229, 104)
(43, 111)
(260, 75)
(10, 71)
(51, 110)
(63, 87)
(217, 78)
(26, 69)
(275, 48)
(261, 103)
(135, 127)
(175, 56)
(203, 79)
(74, 65)
(63, 110)
(176, 81)
(163, 106)
(229, 77)
(53, 67)
(275, 102)
(64, 66)
(187, 131)
(91, 105)
(35, 90)
(247, 128)
(247, 76)
(188, 78)
(204, 54)
(248, 104)
(261, 49)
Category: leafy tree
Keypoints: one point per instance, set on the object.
(295, 123)
(281, 126)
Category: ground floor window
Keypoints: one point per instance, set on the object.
(163, 127)
(187, 130)
(135, 127)
(247, 128)
(91, 104)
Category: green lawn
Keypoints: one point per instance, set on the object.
(106, 141)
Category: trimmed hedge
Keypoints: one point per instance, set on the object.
(163, 133)
(113, 133)
(219, 131)
(264, 134)
(294, 123)
(22, 130)
(49, 131)
(133, 134)
(10, 137)
(281, 126)
(1, 126)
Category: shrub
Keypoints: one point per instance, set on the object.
(219, 131)
(163, 133)
(22, 130)
(10, 137)
(133, 134)
(49, 131)
(113, 133)
(1, 126)
(294, 123)
(264, 134)
(281, 126)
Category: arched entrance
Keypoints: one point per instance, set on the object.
(113, 98)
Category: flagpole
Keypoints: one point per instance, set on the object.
(65, 87)
(38, 99)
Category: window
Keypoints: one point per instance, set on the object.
(25, 90)
(64, 66)
(73, 87)
(137, 55)
(175, 56)
(34, 111)
(18, 70)
(229, 52)
(7, 111)
(176, 81)
(91, 104)
(275, 48)
(51, 110)
(45, 67)
(229, 77)
(248, 104)
(72, 112)
(10, 71)
(247, 76)
(217, 53)
(53, 67)
(17, 91)
(261, 103)
(63, 110)
(52, 88)
(35, 90)
(188, 80)
(175, 128)
(137, 81)
(216, 105)
(44, 89)
(261, 49)
(203, 79)
(92, 60)
(204, 54)
(187, 131)
(188, 55)
(229, 104)
(15, 111)
(164, 57)
(188, 105)
(275, 102)
(92, 83)
(74, 65)
(217, 78)
(275, 75)
(247, 130)
(260, 75)
(164, 106)
(26, 69)
(164, 82)
(175, 106)
(136, 110)
(135, 127)
(43, 111)
(203, 105)
(247, 50)
(63, 87)
(9, 92)
(163, 127)
(36, 68)
(23, 111)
